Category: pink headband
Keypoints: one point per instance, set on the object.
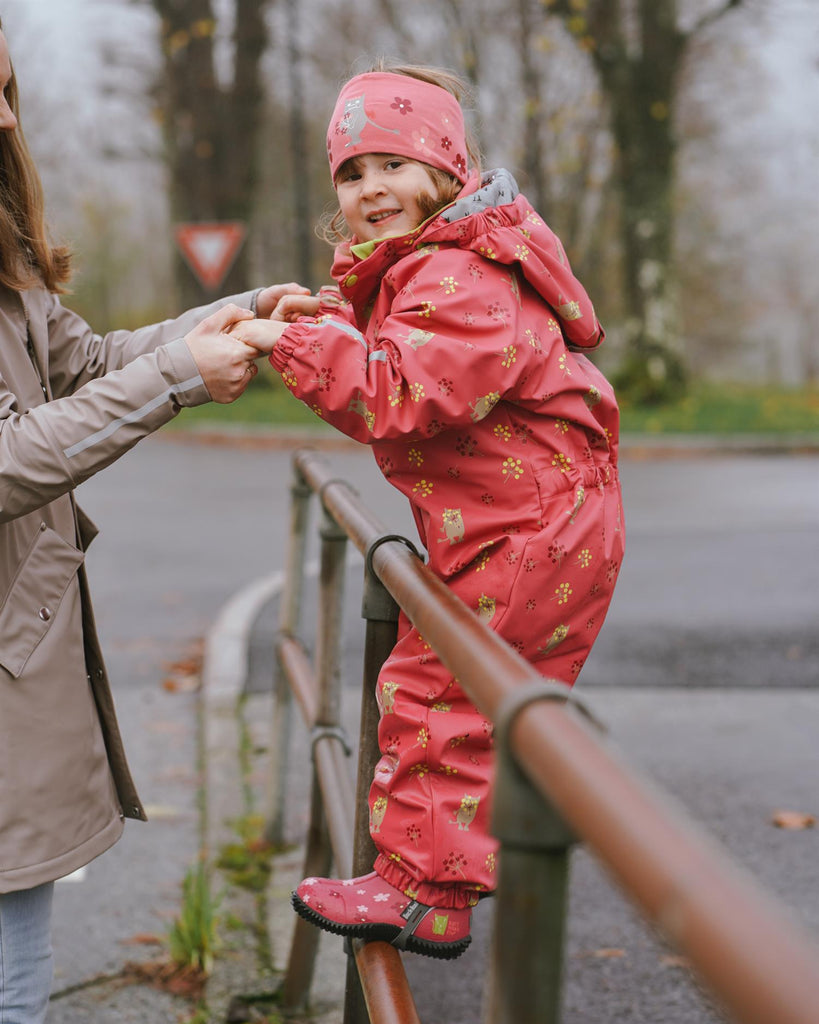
(385, 113)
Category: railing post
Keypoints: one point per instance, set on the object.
(533, 879)
(380, 611)
(289, 625)
(318, 856)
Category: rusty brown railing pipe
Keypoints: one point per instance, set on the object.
(339, 498)
(290, 608)
(759, 964)
(381, 993)
(384, 983)
(755, 961)
(295, 664)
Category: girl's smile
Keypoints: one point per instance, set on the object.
(378, 194)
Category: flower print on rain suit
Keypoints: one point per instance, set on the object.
(455, 356)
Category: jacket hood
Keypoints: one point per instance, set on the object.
(493, 219)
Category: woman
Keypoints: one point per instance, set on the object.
(71, 402)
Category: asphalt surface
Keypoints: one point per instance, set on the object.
(705, 673)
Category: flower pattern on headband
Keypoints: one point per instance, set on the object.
(382, 112)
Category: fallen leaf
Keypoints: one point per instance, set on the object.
(259, 846)
(793, 820)
(143, 939)
(605, 953)
(181, 683)
(185, 667)
(674, 960)
(188, 982)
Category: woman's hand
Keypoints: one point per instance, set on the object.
(226, 364)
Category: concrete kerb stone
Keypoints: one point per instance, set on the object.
(224, 672)
(631, 444)
(239, 971)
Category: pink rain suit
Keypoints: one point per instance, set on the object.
(454, 355)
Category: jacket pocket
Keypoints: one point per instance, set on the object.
(34, 598)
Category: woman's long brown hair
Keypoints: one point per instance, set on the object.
(27, 257)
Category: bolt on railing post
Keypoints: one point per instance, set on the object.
(533, 878)
(289, 623)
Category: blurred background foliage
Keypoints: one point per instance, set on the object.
(672, 145)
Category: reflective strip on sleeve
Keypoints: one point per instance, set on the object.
(131, 417)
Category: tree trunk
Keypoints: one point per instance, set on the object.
(534, 163)
(640, 88)
(211, 129)
(638, 60)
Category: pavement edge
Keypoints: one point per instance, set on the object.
(237, 969)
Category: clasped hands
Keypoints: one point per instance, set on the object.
(226, 344)
(273, 314)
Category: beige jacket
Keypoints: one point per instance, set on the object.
(71, 402)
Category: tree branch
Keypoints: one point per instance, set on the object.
(712, 16)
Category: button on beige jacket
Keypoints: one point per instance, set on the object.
(71, 402)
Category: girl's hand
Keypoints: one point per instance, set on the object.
(267, 298)
(291, 307)
(259, 334)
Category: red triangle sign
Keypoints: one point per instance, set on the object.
(210, 247)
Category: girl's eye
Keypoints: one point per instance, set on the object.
(393, 164)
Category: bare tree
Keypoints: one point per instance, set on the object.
(211, 126)
(637, 49)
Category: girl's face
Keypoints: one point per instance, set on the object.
(378, 194)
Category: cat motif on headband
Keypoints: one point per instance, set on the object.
(355, 120)
(381, 112)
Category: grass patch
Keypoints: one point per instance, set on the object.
(706, 409)
(248, 861)
(729, 409)
(192, 938)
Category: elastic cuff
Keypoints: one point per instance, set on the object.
(453, 897)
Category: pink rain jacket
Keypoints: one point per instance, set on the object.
(455, 356)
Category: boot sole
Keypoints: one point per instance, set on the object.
(380, 933)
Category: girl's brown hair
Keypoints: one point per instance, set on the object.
(27, 257)
(332, 228)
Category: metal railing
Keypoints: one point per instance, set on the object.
(556, 779)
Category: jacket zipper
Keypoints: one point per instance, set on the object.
(30, 349)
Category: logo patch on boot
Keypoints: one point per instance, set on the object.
(439, 924)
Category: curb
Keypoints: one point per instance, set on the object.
(632, 445)
(228, 715)
(238, 969)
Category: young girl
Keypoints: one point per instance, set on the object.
(454, 355)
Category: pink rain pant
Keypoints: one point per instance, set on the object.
(547, 595)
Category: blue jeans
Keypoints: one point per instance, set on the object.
(26, 962)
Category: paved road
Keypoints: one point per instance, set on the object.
(706, 672)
